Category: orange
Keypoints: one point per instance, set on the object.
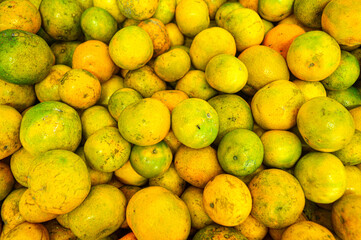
(280, 37)
(98, 24)
(129, 236)
(244, 20)
(31, 231)
(349, 98)
(213, 6)
(19, 14)
(278, 198)
(252, 4)
(240, 152)
(193, 197)
(322, 177)
(131, 48)
(79, 88)
(93, 56)
(56, 231)
(310, 89)
(138, 10)
(158, 33)
(356, 115)
(165, 11)
(267, 26)
(144, 81)
(195, 85)
(7, 180)
(172, 141)
(226, 73)
(340, 18)
(112, 7)
(353, 180)
(195, 123)
(192, 17)
(309, 12)
(120, 99)
(275, 11)
(215, 231)
(145, 122)
(10, 131)
(151, 161)
(10, 213)
(252, 229)
(50, 125)
(209, 43)
(313, 56)
(346, 215)
(275, 106)
(25, 58)
(197, 166)
(224, 10)
(276, 234)
(61, 19)
(227, 200)
(307, 230)
(325, 124)
(20, 164)
(48, 89)
(25, 95)
(158, 205)
(64, 51)
(127, 175)
(292, 19)
(350, 154)
(233, 112)
(264, 65)
(175, 35)
(171, 98)
(108, 88)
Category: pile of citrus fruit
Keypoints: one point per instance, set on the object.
(180, 119)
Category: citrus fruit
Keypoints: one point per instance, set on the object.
(216, 231)
(152, 205)
(275, 11)
(98, 24)
(48, 89)
(127, 175)
(172, 65)
(170, 97)
(213, 6)
(151, 161)
(325, 124)
(349, 98)
(346, 217)
(322, 177)
(356, 115)
(264, 65)
(282, 149)
(120, 99)
(64, 51)
(106, 150)
(25, 58)
(112, 7)
(10, 131)
(353, 180)
(306, 230)
(7, 180)
(252, 229)
(108, 88)
(19, 14)
(20, 164)
(280, 37)
(338, 20)
(10, 214)
(95, 118)
(195, 123)
(32, 231)
(233, 112)
(158, 33)
(61, 19)
(70, 185)
(193, 198)
(50, 125)
(224, 10)
(310, 89)
(267, 26)
(131, 48)
(243, 20)
(275, 106)
(240, 152)
(170, 180)
(195, 85)
(79, 88)
(138, 10)
(278, 198)
(209, 43)
(192, 17)
(165, 11)
(175, 35)
(292, 19)
(92, 220)
(56, 231)
(93, 56)
(145, 122)
(313, 56)
(350, 154)
(309, 12)
(145, 81)
(226, 73)
(197, 166)
(345, 75)
(227, 200)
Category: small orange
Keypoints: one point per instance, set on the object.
(280, 37)
(158, 33)
(224, 10)
(175, 35)
(170, 97)
(275, 11)
(138, 10)
(93, 56)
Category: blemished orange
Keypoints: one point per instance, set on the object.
(280, 37)
(93, 56)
